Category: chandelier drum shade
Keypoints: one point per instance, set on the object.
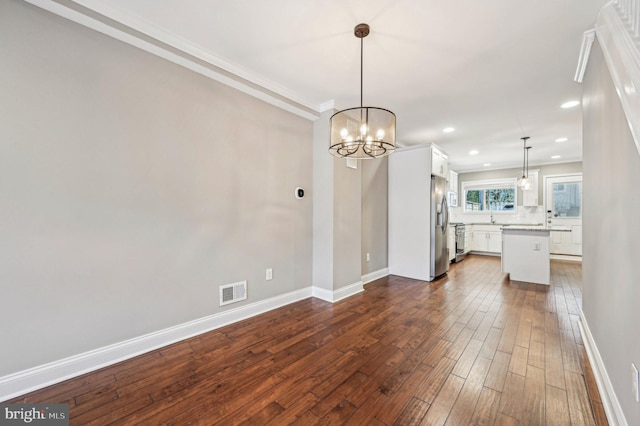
(362, 132)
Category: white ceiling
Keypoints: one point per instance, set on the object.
(495, 70)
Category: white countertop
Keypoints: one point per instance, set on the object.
(497, 224)
(535, 228)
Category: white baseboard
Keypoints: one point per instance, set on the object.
(25, 381)
(484, 253)
(612, 407)
(372, 276)
(339, 294)
(570, 258)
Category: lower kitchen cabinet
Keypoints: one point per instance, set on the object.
(486, 238)
(451, 242)
(468, 239)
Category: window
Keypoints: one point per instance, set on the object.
(490, 195)
(566, 199)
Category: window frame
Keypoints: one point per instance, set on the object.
(488, 184)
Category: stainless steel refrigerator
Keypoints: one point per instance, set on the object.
(439, 227)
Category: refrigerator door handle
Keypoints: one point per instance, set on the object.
(445, 207)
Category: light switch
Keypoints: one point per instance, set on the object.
(536, 246)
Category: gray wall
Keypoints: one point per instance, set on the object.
(323, 182)
(131, 188)
(337, 213)
(347, 232)
(545, 170)
(375, 176)
(611, 294)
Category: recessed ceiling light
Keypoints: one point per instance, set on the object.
(570, 104)
(562, 139)
(555, 157)
(473, 152)
(486, 164)
(448, 129)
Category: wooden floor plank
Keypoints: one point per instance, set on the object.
(464, 406)
(472, 347)
(498, 371)
(441, 406)
(534, 397)
(511, 403)
(413, 413)
(519, 358)
(536, 354)
(393, 406)
(579, 405)
(556, 406)
(486, 408)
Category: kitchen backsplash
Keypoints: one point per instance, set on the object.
(522, 215)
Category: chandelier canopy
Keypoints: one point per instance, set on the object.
(362, 132)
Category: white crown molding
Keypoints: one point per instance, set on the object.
(585, 50)
(98, 16)
(326, 106)
(617, 31)
(612, 407)
(41, 376)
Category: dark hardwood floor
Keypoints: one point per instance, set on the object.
(470, 348)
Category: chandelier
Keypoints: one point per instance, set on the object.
(524, 182)
(362, 132)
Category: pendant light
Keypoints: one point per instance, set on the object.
(362, 132)
(524, 182)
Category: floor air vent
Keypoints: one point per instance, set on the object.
(232, 293)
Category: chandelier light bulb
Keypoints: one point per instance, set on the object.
(344, 133)
(380, 134)
(363, 129)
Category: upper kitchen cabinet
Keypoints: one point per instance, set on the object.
(530, 196)
(453, 182)
(439, 162)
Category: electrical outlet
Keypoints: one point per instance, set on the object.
(368, 257)
(269, 274)
(634, 380)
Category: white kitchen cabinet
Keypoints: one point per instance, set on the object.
(486, 238)
(494, 242)
(451, 242)
(439, 162)
(453, 181)
(530, 196)
(468, 239)
(477, 240)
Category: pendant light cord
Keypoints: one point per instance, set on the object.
(361, 67)
(524, 158)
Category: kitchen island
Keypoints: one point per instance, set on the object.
(525, 253)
